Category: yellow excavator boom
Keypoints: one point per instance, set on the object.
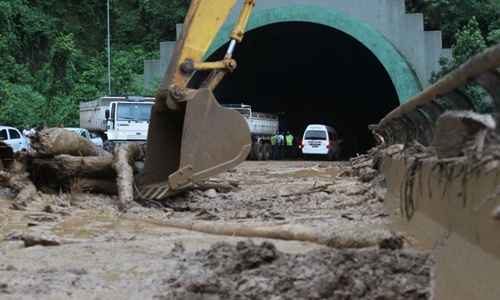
(191, 136)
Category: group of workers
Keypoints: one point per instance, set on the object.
(283, 146)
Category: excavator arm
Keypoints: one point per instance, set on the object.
(202, 24)
(191, 136)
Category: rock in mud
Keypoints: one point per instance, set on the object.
(250, 271)
(4, 288)
(211, 193)
(392, 243)
(367, 175)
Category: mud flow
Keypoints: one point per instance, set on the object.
(273, 230)
(249, 271)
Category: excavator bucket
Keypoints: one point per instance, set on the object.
(190, 145)
(191, 136)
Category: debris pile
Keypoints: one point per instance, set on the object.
(6, 156)
(364, 167)
(61, 160)
(250, 271)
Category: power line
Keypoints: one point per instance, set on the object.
(109, 54)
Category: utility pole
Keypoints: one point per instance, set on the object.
(109, 55)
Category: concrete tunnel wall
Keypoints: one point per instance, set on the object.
(387, 18)
(404, 78)
(397, 41)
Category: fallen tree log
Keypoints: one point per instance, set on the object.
(56, 141)
(123, 163)
(346, 238)
(66, 166)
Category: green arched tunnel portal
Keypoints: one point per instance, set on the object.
(312, 65)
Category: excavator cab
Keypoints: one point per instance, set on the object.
(191, 136)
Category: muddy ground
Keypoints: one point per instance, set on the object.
(82, 247)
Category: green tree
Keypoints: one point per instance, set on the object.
(468, 42)
(450, 16)
(21, 106)
(494, 37)
(53, 53)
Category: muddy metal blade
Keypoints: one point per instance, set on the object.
(451, 210)
(163, 146)
(188, 147)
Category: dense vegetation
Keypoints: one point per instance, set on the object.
(468, 26)
(53, 52)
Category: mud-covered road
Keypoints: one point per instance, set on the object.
(79, 246)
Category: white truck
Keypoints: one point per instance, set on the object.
(262, 127)
(117, 119)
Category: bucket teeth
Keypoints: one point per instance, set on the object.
(153, 192)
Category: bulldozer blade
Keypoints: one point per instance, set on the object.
(451, 210)
(187, 147)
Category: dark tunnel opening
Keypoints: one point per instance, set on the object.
(311, 74)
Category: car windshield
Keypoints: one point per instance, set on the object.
(134, 112)
(319, 135)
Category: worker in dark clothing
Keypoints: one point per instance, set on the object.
(289, 145)
(274, 147)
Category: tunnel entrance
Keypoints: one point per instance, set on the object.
(310, 74)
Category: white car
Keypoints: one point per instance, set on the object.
(13, 137)
(321, 140)
(94, 138)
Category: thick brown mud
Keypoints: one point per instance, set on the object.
(250, 271)
(82, 247)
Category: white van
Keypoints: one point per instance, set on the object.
(320, 140)
(12, 137)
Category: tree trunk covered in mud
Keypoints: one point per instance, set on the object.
(124, 158)
(76, 166)
(56, 141)
(287, 232)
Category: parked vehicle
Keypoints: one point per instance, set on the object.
(262, 127)
(117, 119)
(13, 137)
(320, 140)
(94, 138)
